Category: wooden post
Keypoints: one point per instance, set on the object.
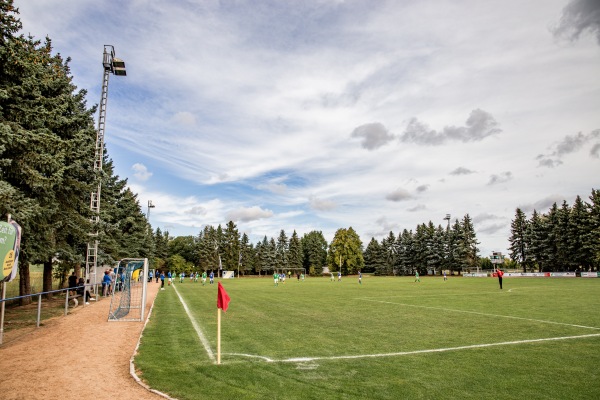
(218, 336)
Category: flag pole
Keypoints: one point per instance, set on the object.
(218, 336)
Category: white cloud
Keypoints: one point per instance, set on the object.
(185, 118)
(141, 172)
(398, 195)
(500, 178)
(258, 116)
(321, 204)
(246, 214)
(373, 135)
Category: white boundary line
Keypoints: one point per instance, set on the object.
(481, 313)
(132, 372)
(405, 353)
(402, 353)
(197, 328)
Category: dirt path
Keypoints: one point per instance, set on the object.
(80, 356)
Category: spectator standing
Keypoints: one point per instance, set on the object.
(500, 275)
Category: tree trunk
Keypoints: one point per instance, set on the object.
(77, 269)
(24, 283)
(47, 279)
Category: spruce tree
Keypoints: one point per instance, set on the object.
(295, 251)
(389, 249)
(314, 248)
(231, 247)
(519, 246)
(282, 250)
(46, 149)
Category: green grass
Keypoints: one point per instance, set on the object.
(36, 280)
(325, 320)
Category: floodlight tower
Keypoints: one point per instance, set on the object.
(116, 66)
(150, 205)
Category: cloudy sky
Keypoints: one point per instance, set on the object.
(325, 114)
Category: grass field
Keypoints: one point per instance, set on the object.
(389, 338)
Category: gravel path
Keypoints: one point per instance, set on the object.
(80, 356)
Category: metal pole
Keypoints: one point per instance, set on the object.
(39, 311)
(116, 67)
(3, 297)
(144, 287)
(2, 312)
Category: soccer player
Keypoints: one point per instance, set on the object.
(445, 277)
(302, 277)
(339, 276)
(331, 279)
(181, 277)
(212, 277)
(275, 278)
(417, 279)
(359, 278)
(204, 278)
(170, 278)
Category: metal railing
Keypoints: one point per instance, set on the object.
(39, 303)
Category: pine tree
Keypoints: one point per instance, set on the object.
(295, 251)
(247, 258)
(579, 223)
(231, 248)
(404, 244)
(537, 233)
(45, 149)
(374, 257)
(592, 238)
(314, 248)
(389, 249)
(161, 250)
(282, 251)
(519, 243)
(470, 242)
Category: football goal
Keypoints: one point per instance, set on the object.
(128, 299)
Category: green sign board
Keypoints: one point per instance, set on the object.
(9, 250)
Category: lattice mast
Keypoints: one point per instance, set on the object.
(111, 65)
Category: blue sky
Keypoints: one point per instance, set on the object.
(325, 114)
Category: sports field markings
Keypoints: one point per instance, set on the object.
(482, 313)
(303, 360)
(407, 353)
(197, 328)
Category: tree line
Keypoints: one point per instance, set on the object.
(47, 151)
(428, 249)
(565, 238)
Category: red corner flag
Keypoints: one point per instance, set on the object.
(222, 298)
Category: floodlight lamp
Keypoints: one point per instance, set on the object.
(119, 67)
